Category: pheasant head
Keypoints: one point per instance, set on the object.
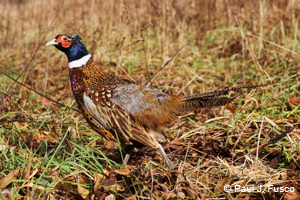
(76, 52)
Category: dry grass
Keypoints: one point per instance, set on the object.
(48, 151)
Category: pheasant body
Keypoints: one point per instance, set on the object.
(118, 108)
(118, 105)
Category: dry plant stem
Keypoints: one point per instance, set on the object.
(1, 102)
(254, 57)
(26, 68)
(272, 141)
(118, 65)
(277, 45)
(152, 181)
(259, 134)
(40, 93)
(183, 144)
(162, 67)
(137, 16)
(127, 156)
(187, 150)
(46, 76)
(29, 164)
(261, 23)
(240, 135)
(43, 36)
(31, 121)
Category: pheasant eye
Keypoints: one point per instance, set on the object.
(64, 38)
(65, 41)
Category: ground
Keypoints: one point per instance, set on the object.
(248, 149)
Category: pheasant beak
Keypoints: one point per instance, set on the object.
(52, 42)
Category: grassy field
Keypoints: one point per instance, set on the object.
(48, 151)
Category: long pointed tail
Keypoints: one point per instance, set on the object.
(214, 98)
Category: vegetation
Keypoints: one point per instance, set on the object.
(48, 151)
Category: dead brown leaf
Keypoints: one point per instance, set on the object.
(43, 136)
(20, 125)
(83, 192)
(132, 197)
(274, 163)
(110, 197)
(98, 179)
(110, 144)
(9, 193)
(9, 178)
(219, 189)
(231, 108)
(295, 195)
(116, 187)
(107, 171)
(77, 179)
(124, 172)
(26, 173)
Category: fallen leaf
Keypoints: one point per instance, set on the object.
(98, 179)
(43, 136)
(295, 195)
(219, 189)
(231, 108)
(9, 178)
(132, 197)
(191, 193)
(26, 172)
(107, 171)
(72, 132)
(110, 197)
(109, 144)
(221, 149)
(3, 147)
(77, 179)
(9, 193)
(180, 195)
(274, 163)
(83, 192)
(124, 172)
(243, 197)
(114, 186)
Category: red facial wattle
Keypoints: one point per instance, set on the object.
(64, 40)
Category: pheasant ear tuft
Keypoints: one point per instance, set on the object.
(78, 38)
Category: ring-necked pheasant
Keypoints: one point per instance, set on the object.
(114, 106)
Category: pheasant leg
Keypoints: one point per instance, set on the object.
(168, 162)
(128, 151)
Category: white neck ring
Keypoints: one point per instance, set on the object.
(80, 62)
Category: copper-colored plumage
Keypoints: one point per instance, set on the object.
(134, 112)
(118, 108)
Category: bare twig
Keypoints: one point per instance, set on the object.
(7, 120)
(46, 79)
(61, 104)
(163, 66)
(26, 68)
(279, 137)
